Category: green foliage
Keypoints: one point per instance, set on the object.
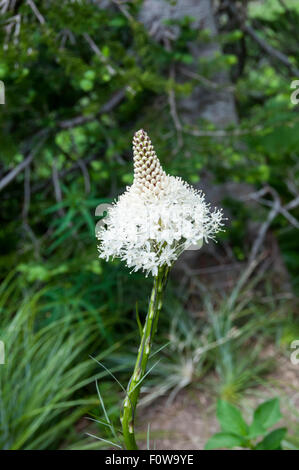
(59, 89)
(238, 326)
(231, 419)
(223, 440)
(44, 381)
(265, 416)
(58, 75)
(236, 433)
(219, 353)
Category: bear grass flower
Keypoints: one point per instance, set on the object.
(157, 218)
(148, 227)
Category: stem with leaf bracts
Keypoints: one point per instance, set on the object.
(149, 330)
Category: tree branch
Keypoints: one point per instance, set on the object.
(27, 193)
(57, 188)
(97, 51)
(115, 99)
(270, 50)
(35, 10)
(15, 171)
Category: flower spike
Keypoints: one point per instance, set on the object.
(157, 218)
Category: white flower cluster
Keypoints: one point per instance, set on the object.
(157, 218)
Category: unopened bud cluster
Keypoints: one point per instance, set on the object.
(148, 173)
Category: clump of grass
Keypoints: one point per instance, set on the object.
(47, 369)
(221, 350)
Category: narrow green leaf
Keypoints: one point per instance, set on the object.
(55, 207)
(88, 219)
(64, 222)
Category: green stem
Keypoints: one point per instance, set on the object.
(149, 330)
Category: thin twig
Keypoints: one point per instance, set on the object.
(215, 269)
(57, 188)
(263, 230)
(221, 132)
(284, 210)
(206, 81)
(251, 266)
(35, 10)
(270, 50)
(98, 52)
(21, 166)
(115, 99)
(15, 171)
(233, 132)
(172, 102)
(291, 205)
(123, 9)
(64, 173)
(173, 110)
(66, 34)
(25, 211)
(27, 193)
(85, 173)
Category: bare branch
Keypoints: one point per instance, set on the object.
(173, 110)
(252, 265)
(263, 230)
(233, 132)
(283, 211)
(57, 188)
(270, 50)
(25, 211)
(66, 34)
(62, 174)
(85, 173)
(12, 22)
(257, 196)
(123, 8)
(221, 132)
(35, 10)
(171, 100)
(27, 193)
(98, 52)
(294, 203)
(106, 108)
(206, 81)
(5, 5)
(254, 257)
(15, 171)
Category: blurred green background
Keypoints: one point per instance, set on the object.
(211, 84)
